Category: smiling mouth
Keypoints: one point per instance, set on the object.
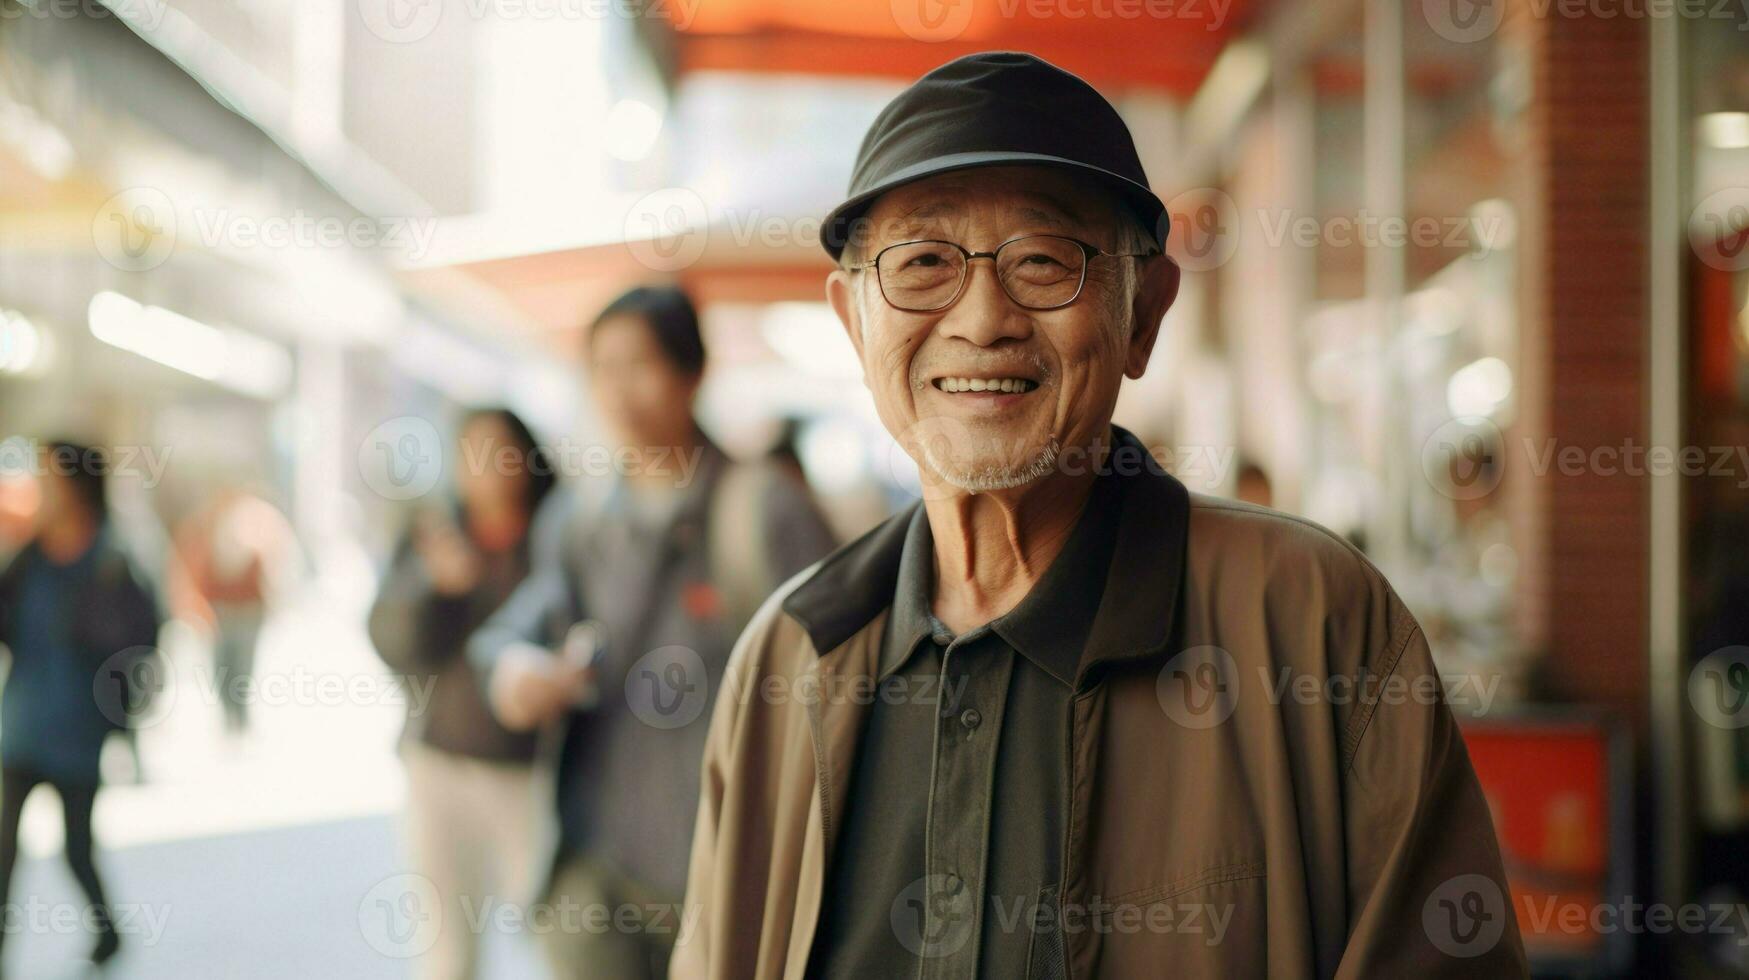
(1001, 386)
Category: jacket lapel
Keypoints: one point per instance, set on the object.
(835, 722)
(1135, 622)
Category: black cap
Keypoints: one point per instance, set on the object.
(991, 109)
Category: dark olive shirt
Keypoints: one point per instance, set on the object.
(950, 860)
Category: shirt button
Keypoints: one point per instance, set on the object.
(971, 719)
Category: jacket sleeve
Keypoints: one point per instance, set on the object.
(542, 606)
(125, 614)
(408, 616)
(1427, 892)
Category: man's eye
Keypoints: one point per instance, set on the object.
(1040, 258)
(926, 260)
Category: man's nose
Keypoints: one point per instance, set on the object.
(984, 314)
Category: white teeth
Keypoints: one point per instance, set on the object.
(1005, 385)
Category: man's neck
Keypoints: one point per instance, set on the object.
(991, 548)
(64, 541)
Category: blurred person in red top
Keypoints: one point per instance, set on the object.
(471, 817)
(236, 556)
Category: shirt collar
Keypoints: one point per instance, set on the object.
(1050, 626)
(854, 585)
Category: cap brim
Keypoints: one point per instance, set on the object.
(836, 231)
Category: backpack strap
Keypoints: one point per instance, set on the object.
(739, 540)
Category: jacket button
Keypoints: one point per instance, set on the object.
(971, 719)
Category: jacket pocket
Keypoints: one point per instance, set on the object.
(1208, 924)
(1045, 958)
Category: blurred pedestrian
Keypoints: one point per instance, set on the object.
(470, 793)
(238, 554)
(666, 570)
(80, 621)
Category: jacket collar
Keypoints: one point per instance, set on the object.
(1136, 607)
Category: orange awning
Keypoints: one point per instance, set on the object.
(1116, 44)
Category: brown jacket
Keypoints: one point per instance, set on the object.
(1263, 776)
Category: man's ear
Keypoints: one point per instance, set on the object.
(1156, 288)
(841, 293)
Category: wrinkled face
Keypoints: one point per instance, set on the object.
(642, 396)
(985, 394)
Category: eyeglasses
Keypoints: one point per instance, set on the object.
(1038, 272)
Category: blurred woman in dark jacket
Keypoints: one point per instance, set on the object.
(470, 804)
(80, 622)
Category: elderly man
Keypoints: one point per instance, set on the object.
(1065, 719)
